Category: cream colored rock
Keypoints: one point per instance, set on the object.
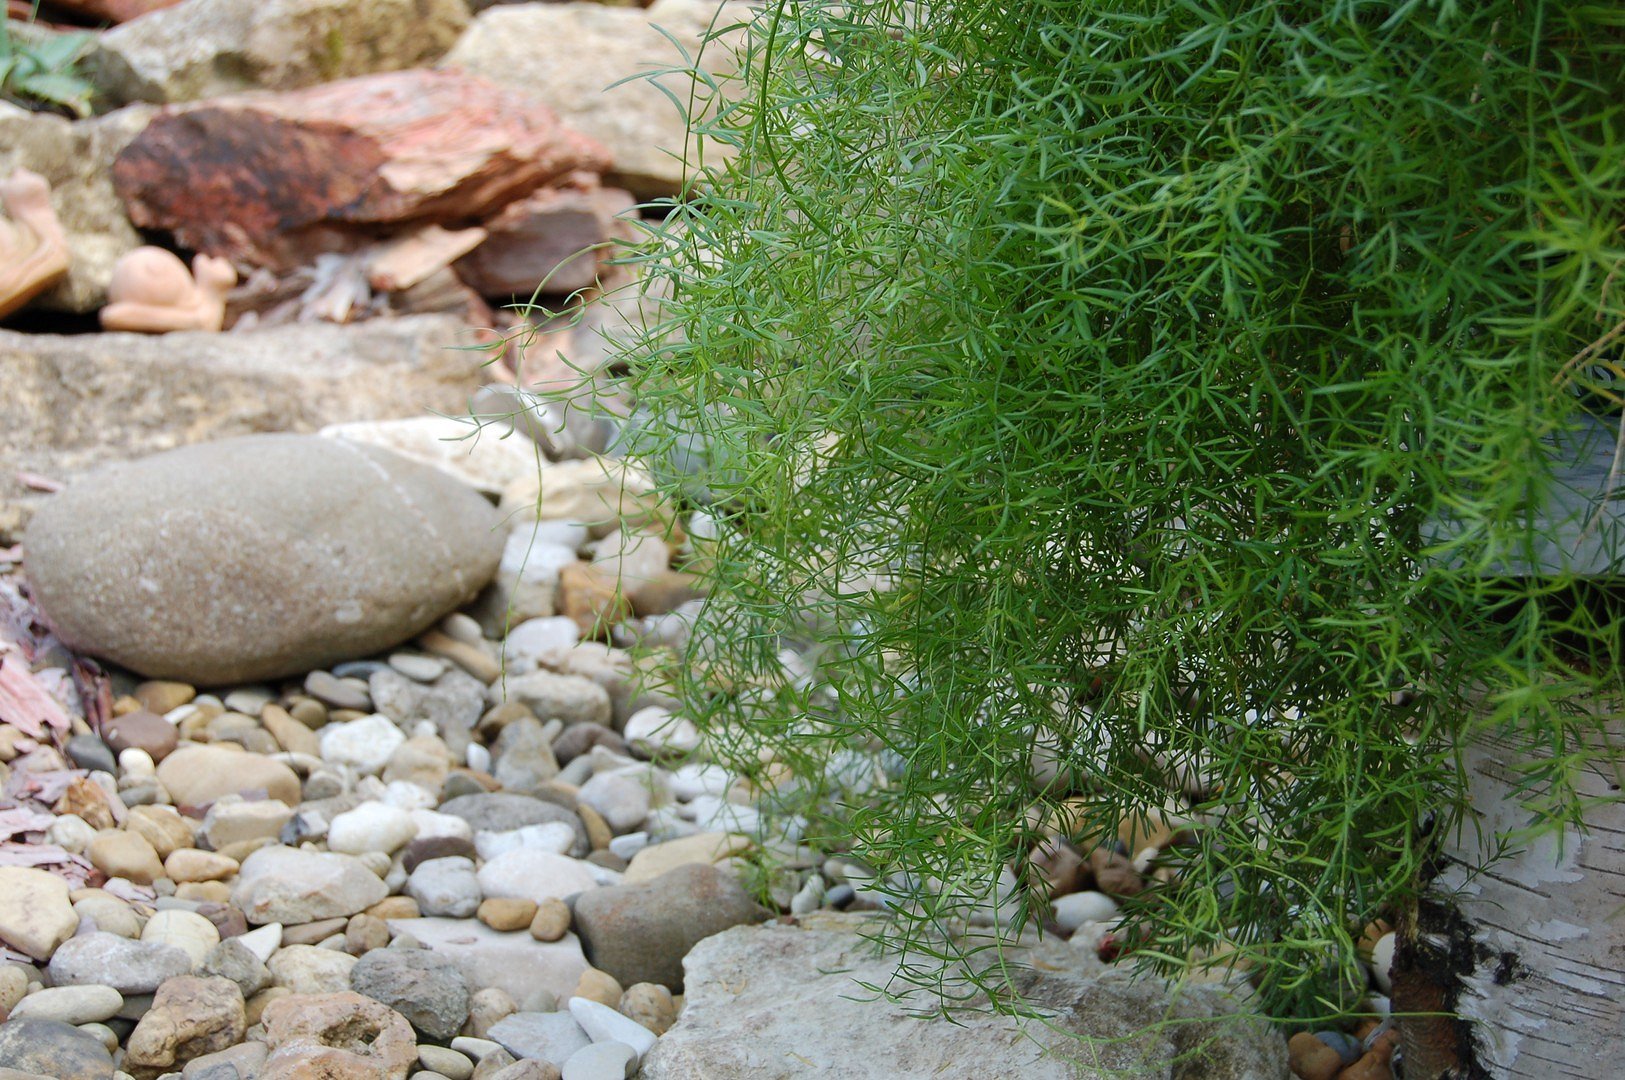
(128, 855)
(187, 931)
(152, 292)
(163, 827)
(35, 915)
(33, 250)
(198, 775)
(479, 458)
(710, 848)
(190, 864)
(601, 493)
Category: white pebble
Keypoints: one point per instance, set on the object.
(263, 941)
(1382, 958)
(478, 758)
(693, 779)
(604, 1024)
(654, 730)
(432, 823)
(365, 744)
(71, 833)
(136, 763)
(809, 897)
(554, 836)
(371, 828)
(1075, 909)
(407, 796)
(186, 930)
(624, 847)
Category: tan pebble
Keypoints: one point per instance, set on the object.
(599, 986)
(1378, 1061)
(128, 855)
(255, 1006)
(190, 864)
(308, 711)
(552, 920)
(500, 716)
(394, 907)
(1115, 874)
(1311, 1059)
(471, 658)
(599, 834)
(651, 1005)
(102, 1032)
(1374, 932)
(161, 697)
(163, 826)
(312, 933)
(242, 849)
(344, 716)
(13, 985)
(84, 798)
(507, 914)
(126, 704)
(213, 892)
(289, 733)
(447, 1063)
(486, 1007)
(364, 933)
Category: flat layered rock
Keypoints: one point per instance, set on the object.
(272, 179)
(573, 55)
(204, 48)
(75, 402)
(787, 1000)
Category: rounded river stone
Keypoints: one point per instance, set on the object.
(257, 557)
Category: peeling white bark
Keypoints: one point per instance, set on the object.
(1546, 994)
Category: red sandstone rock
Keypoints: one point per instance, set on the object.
(273, 179)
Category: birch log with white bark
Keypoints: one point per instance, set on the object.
(1536, 942)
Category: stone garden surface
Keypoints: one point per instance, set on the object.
(324, 746)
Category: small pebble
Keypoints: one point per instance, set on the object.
(552, 920)
(448, 1063)
(599, 986)
(507, 913)
(338, 692)
(421, 668)
(71, 1004)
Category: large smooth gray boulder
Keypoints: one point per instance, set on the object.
(74, 402)
(257, 557)
(788, 1000)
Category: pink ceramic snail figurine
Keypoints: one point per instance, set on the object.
(33, 251)
(152, 292)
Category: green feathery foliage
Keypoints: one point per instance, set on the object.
(1152, 397)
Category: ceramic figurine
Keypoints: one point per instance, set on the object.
(33, 251)
(152, 292)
